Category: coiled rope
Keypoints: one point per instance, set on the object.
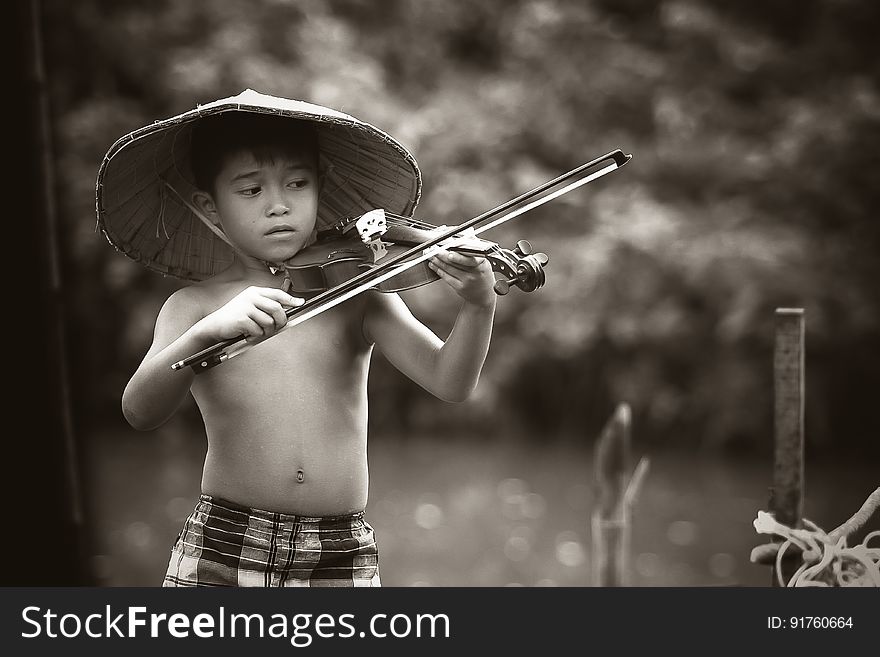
(827, 560)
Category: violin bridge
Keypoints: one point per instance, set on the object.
(371, 226)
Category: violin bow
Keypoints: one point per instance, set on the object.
(585, 173)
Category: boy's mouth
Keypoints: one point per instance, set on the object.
(280, 230)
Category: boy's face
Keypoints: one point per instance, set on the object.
(267, 209)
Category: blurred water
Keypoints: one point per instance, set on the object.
(472, 512)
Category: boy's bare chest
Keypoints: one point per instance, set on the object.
(330, 337)
(327, 346)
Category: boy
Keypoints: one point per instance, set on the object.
(285, 478)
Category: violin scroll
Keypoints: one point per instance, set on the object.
(528, 274)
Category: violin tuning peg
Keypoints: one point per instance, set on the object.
(522, 248)
(543, 258)
(502, 287)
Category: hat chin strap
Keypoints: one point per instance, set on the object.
(274, 268)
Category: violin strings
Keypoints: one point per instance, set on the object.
(395, 220)
(399, 220)
(408, 221)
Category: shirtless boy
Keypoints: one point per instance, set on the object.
(285, 479)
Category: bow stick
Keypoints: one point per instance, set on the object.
(328, 299)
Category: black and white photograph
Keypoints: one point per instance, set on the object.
(424, 293)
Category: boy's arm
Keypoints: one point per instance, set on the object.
(449, 370)
(155, 391)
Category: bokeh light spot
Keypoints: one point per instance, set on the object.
(682, 532)
(429, 516)
(517, 548)
(547, 582)
(722, 565)
(511, 490)
(569, 550)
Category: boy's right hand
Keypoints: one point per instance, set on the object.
(256, 312)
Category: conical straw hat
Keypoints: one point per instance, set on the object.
(145, 183)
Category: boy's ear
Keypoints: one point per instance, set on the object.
(204, 202)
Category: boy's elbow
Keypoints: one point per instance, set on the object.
(455, 395)
(458, 397)
(136, 419)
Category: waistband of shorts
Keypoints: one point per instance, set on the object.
(218, 504)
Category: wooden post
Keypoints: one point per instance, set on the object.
(787, 493)
(47, 459)
(609, 530)
(615, 493)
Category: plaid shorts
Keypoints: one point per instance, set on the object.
(224, 544)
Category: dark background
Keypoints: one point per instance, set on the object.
(755, 134)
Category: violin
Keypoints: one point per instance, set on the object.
(520, 267)
(356, 244)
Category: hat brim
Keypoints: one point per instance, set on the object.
(363, 169)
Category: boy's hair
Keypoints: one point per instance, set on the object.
(264, 136)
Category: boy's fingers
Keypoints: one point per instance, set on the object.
(263, 319)
(458, 259)
(453, 282)
(438, 266)
(280, 318)
(441, 265)
(253, 331)
(458, 273)
(282, 297)
(273, 308)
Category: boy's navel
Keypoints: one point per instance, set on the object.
(300, 475)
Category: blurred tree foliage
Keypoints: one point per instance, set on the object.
(755, 129)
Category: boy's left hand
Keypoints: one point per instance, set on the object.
(471, 278)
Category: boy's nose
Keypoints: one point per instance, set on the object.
(277, 200)
(276, 207)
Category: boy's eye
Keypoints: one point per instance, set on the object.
(298, 184)
(249, 191)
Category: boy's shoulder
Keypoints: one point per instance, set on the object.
(201, 298)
